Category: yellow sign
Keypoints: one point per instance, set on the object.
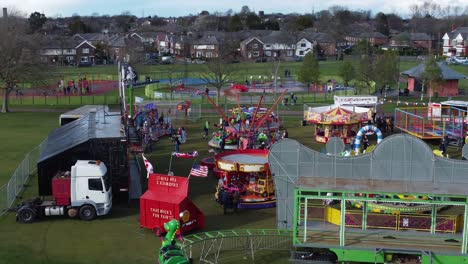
(226, 166)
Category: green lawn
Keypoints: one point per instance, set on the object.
(20, 132)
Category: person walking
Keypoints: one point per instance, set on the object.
(183, 135)
(176, 141)
(206, 129)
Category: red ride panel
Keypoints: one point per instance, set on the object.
(61, 190)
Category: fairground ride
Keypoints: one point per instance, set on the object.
(413, 204)
(239, 132)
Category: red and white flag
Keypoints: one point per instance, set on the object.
(199, 171)
(185, 155)
(148, 166)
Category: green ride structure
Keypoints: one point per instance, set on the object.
(398, 203)
(170, 251)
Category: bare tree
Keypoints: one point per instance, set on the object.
(19, 56)
(218, 71)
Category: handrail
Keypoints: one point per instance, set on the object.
(210, 235)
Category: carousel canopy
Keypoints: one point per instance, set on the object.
(338, 115)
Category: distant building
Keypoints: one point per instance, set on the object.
(449, 87)
(456, 42)
(415, 40)
(375, 38)
(66, 51)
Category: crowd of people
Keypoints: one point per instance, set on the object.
(82, 86)
(151, 125)
(383, 123)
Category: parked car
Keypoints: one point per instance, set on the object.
(198, 61)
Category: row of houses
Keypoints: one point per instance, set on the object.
(247, 45)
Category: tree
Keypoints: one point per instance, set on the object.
(235, 23)
(431, 75)
(218, 72)
(253, 21)
(382, 24)
(19, 59)
(364, 47)
(36, 20)
(388, 68)
(303, 22)
(78, 26)
(365, 72)
(101, 53)
(347, 72)
(309, 72)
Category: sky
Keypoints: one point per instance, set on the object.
(166, 8)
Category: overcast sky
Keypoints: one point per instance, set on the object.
(52, 8)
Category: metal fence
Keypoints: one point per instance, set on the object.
(10, 191)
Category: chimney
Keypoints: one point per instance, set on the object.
(5, 12)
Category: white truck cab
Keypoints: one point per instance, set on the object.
(85, 190)
(91, 185)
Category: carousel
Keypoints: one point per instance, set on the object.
(247, 173)
(337, 121)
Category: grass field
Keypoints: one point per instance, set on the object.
(20, 132)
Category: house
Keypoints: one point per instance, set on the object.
(117, 46)
(323, 43)
(205, 47)
(304, 46)
(279, 44)
(93, 38)
(251, 48)
(182, 46)
(449, 87)
(456, 42)
(165, 43)
(375, 38)
(415, 40)
(67, 51)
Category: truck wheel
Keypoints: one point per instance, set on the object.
(72, 212)
(26, 215)
(87, 213)
(264, 194)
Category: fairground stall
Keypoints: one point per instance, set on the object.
(246, 172)
(337, 121)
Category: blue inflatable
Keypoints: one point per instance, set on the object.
(368, 128)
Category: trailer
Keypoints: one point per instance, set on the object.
(85, 191)
(78, 113)
(166, 199)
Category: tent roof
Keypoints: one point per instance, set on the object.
(447, 73)
(90, 126)
(338, 111)
(328, 108)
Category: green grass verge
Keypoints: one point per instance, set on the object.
(20, 132)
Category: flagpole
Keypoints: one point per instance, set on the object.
(170, 166)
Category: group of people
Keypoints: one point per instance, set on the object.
(292, 99)
(150, 125)
(383, 123)
(74, 88)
